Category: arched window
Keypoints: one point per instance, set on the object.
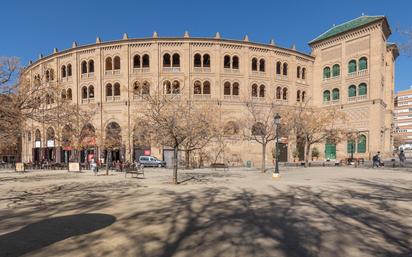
(298, 72)
(285, 69)
(50, 135)
(146, 61)
(91, 66)
(235, 88)
(206, 60)
(28, 136)
(262, 65)
(326, 72)
(362, 89)
(146, 88)
(113, 134)
(197, 88)
(116, 89)
(352, 66)
(298, 96)
(254, 64)
(206, 88)
(197, 60)
(63, 71)
(231, 128)
(226, 62)
(352, 91)
(278, 68)
(116, 61)
(63, 94)
(47, 75)
(176, 87)
(335, 94)
(235, 62)
(351, 146)
(109, 90)
(363, 63)
(91, 91)
(69, 94)
(176, 60)
(258, 129)
(278, 92)
(166, 60)
(362, 144)
(285, 93)
(84, 92)
(69, 70)
(303, 73)
(226, 88)
(37, 135)
(326, 96)
(109, 65)
(167, 87)
(254, 90)
(303, 96)
(136, 88)
(136, 61)
(335, 70)
(262, 91)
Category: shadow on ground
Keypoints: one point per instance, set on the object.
(46, 232)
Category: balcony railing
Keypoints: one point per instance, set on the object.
(357, 98)
(171, 69)
(281, 77)
(202, 69)
(66, 79)
(87, 75)
(141, 70)
(281, 101)
(258, 73)
(87, 100)
(331, 79)
(202, 97)
(231, 97)
(257, 98)
(358, 73)
(229, 70)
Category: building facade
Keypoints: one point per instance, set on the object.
(351, 66)
(403, 117)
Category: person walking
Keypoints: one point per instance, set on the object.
(402, 158)
(376, 160)
(93, 166)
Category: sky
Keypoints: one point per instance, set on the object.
(31, 27)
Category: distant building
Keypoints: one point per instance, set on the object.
(403, 116)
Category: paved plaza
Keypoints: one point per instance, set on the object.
(241, 212)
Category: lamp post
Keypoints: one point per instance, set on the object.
(277, 123)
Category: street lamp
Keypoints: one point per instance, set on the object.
(277, 123)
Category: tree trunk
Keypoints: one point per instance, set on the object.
(307, 153)
(107, 162)
(263, 168)
(175, 165)
(187, 159)
(79, 158)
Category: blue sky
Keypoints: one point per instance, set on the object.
(34, 27)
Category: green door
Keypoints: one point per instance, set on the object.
(330, 151)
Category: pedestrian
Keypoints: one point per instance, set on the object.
(376, 160)
(402, 158)
(93, 166)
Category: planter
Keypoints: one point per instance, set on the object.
(74, 167)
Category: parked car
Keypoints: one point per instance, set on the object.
(151, 161)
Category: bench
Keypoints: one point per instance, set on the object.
(139, 170)
(219, 166)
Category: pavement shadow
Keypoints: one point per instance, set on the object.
(48, 231)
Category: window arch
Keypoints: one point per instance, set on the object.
(352, 91)
(303, 73)
(235, 62)
(326, 72)
(335, 94)
(326, 96)
(363, 63)
(206, 60)
(146, 61)
(206, 88)
(116, 63)
(176, 60)
(351, 146)
(91, 66)
(278, 92)
(63, 71)
(47, 75)
(197, 87)
(146, 88)
(84, 92)
(63, 94)
(50, 135)
(69, 70)
(254, 64)
(91, 91)
(362, 144)
(226, 88)
(262, 91)
(166, 60)
(235, 88)
(176, 87)
(303, 96)
(136, 61)
(285, 69)
(109, 90)
(167, 87)
(362, 89)
(335, 70)
(37, 135)
(298, 96)
(84, 67)
(69, 94)
(226, 62)
(254, 90)
(137, 90)
(298, 72)
(285, 93)
(116, 91)
(109, 64)
(113, 134)
(352, 66)
(262, 65)
(197, 60)
(278, 68)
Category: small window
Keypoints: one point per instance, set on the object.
(197, 88)
(326, 96)
(69, 94)
(226, 62)
(298, 96)
(262, 65)
(278, 92)
(69, 70)
(206, 88)
(166, 60)
(278, 68)
(235, 62)
(176, 87)
(91, 66)
(146, 88)
(136, 88)
(226, 88)
(285, 69)
(326, 72)
(136, 61)
(262, 91)
(206, 60)
(285, 93)
(362, 89)
(336, 70)
(63, 71)
(254, 90)
(84, 92)
(352, 91)
(363, 63)
(303, 73)
(351, 146)
(298, 72)
(109, 90)
(167, 87)
(352, 66)
(91, 92)
(235, 89)
(303, 96)
(116, 89)
(109, 65)
(197, 60)
(176, 60)
(254, 64)
(116, 61)
(362, 144)
(146, 61)
(335, 94)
